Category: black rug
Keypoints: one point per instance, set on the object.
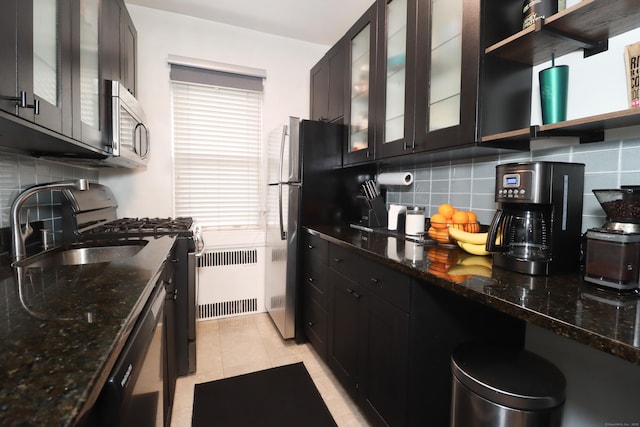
(277, 397)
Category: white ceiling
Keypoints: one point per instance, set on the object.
(316, 21)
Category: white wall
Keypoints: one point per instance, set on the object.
(149, 192)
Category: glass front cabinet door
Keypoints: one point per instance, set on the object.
(394, 135)
(35, 68)
(447, 73)
(87, 98)
(44, 64)
(359, 117)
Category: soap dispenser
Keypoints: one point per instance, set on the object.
(397, 215)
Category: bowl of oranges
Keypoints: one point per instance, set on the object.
(447, 217)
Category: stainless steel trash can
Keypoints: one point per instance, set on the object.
(501, 387)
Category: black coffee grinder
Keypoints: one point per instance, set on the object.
(612, 258)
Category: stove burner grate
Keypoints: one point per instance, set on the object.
(147, 226)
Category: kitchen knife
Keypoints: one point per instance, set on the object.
(365, 190)
(372, 188)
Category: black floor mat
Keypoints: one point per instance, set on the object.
(277, 397)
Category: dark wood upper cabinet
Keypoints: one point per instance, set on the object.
(396, 65)
(327, 85)
(319, 78)
(359, 112)
(88, 101)
(460, 93)
(118, 44)
(8, 55)
(35, 65)
(56, 56)
(429, 86)
(129, 53)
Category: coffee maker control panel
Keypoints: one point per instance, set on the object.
(516, 185)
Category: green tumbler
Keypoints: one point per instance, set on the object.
(554, 82)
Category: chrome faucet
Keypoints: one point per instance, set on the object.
(19, 235)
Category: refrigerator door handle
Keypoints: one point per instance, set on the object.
(283, 233)
(282, 144)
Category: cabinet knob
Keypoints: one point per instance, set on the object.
(310, 246)
(375, 281)
(310, 323)
(337, 260)
(310, 279)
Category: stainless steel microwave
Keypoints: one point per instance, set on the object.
(128, 144)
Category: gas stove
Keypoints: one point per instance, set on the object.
(143, 227)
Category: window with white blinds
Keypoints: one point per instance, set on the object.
(217, 144)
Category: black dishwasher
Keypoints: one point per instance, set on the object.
(135, 391)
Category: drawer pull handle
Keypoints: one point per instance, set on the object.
(310, 246)
(310, 279)
(375, 281)
(352, 292)
(310, 323)
(337, 260)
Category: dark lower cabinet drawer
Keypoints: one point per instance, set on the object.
(314, 280)
(388, 284)
(315, 326)
(345, 262)
(314, 251)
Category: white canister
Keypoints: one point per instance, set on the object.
(414, 225)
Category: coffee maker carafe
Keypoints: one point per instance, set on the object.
(537, 227)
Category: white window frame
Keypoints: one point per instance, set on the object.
(229, 107)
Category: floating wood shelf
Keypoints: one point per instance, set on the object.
(588, 25)
(588, 129)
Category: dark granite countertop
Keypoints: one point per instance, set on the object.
(59, 344)
(561, 303)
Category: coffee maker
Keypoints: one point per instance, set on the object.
(612, 256)
(537, 227)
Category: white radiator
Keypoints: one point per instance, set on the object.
(230, 282)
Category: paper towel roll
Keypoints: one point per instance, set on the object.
(395, 178)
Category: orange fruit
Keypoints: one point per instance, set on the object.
(438, 221)
(472, 216)
(442, 236)
(446, 210)
(460, 217)
(432, 233)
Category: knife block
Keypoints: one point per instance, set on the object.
(373, 212)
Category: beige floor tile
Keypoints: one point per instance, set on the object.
(243, 344)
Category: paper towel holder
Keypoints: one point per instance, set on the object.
(395, 178)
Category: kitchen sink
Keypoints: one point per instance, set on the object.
(83, 254)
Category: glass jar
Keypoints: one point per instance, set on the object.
(414, 224)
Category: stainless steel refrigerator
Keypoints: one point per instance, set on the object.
(298, 154)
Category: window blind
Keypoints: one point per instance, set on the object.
(217, 143)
